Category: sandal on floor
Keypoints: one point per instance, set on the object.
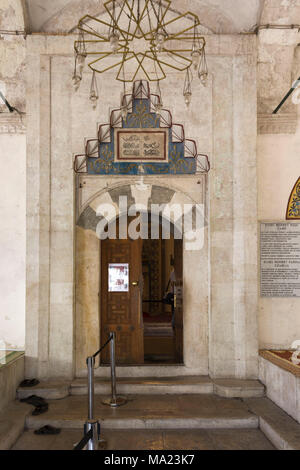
(40, 409)
(29, 383)
(47, 430)
(34, 400)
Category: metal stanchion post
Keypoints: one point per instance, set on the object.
(94, 441)
(113, 371)
(91, 423)
(90, 364)
(114, 401)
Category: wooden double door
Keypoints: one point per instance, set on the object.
(121, 300)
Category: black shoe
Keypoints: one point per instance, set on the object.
(34, 400)
(47, 430)
(29, 383)
(40, 409)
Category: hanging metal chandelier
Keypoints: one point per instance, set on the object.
(141, 37)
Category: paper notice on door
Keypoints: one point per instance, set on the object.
(118, 277)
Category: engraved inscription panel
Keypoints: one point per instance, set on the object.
(144, 146)
(280, 260)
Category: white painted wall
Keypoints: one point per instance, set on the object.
(278, 160)
(12, 240)
(13, 179)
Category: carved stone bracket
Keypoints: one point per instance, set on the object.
(277, 123)
(11, 123)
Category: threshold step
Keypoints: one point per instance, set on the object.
(282, 430)
(146, 385)
(227, 388)
(150, 412)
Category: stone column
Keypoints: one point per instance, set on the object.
(233, 212)
(38, 213)
(62, 221)
(50, 227)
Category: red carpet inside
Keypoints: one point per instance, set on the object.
(162, 318)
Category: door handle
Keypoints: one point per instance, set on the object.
(135, 283)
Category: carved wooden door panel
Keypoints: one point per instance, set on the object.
(121, 291)
(178, 301)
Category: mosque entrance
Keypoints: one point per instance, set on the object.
(141, 298)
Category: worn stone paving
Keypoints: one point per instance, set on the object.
(158, 422)
(156, 411)
(222, 439)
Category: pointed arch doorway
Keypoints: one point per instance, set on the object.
(141, 292)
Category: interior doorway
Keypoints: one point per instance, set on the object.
(141, 298)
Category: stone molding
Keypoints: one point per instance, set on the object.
(277, 123)
(11, 123)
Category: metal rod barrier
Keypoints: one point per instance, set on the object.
(92, 426)
(90, 365)
(80, 445)
(113, 369)
(114, 401)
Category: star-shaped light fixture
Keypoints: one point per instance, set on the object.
(141, 37)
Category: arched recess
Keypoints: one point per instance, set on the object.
(218, 17)
(195, 260)
(293, 208)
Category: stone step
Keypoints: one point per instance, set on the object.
(282, 430)
(12, 422)
(146, 385)
(229, 388)
(48, 390)
(145, 370)
(154, 439)
(150, 412)
(237, 388)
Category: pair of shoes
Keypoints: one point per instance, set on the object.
(34, 400)
(47, 430)
(29, 383)
(40, 409)
(41, 406)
